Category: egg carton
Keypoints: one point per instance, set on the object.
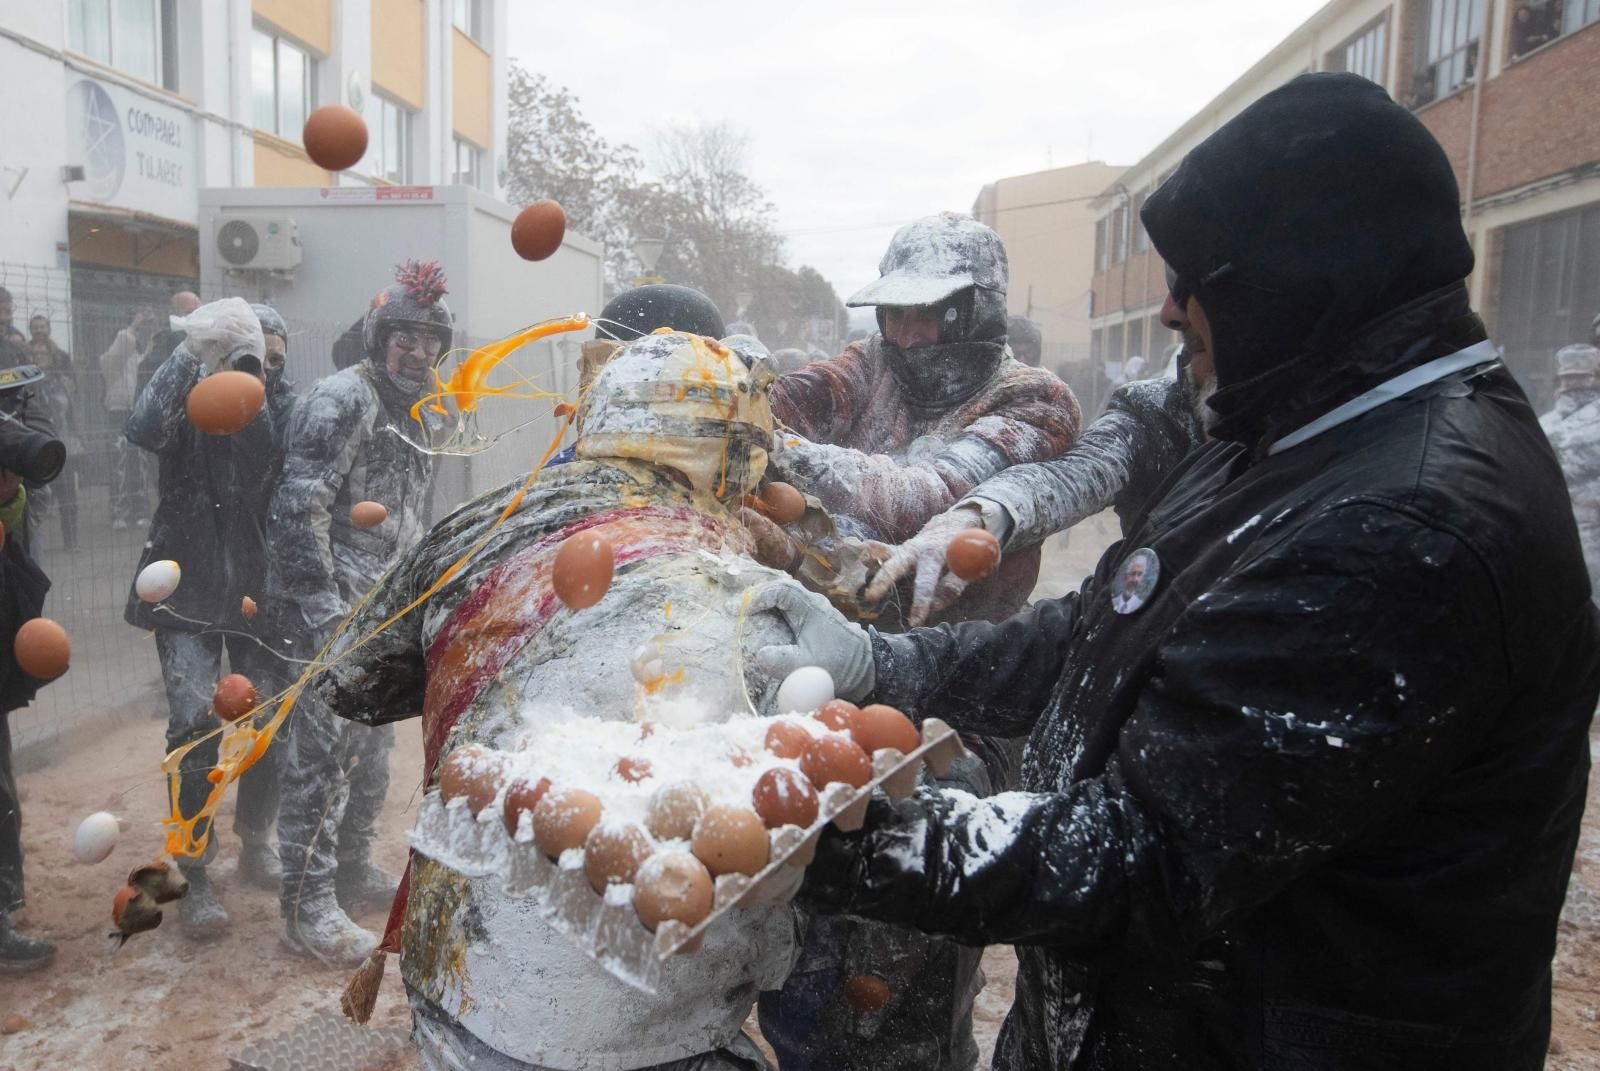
(605, 926)
(323, 1042)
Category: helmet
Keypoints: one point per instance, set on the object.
(271, 321)
(947, 261)
(687, 403)
(645, 309)
(416, 300)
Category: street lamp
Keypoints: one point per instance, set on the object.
(648, 250)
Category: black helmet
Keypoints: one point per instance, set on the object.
(642, 310)
(416, 300)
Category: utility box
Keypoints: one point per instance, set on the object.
(349, 240)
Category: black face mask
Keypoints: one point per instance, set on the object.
(943, 376)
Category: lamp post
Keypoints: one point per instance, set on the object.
(648, 250)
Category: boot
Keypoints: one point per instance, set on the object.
(258, 862)
(364, 887)
(318, 926)
(19, 954)
(200, 913)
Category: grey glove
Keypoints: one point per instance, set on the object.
(822, 637)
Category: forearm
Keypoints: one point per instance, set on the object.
(159, 412)
(1047, 497)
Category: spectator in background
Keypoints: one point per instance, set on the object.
(1534, 24)
(1026, 340)
(59, 391)
(119, 364)
(790, 360)
(1573, 427)
(7, 310)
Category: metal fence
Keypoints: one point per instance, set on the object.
(89, 557)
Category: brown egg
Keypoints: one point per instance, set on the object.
(833, 758)
(837, 714)
(335, 137)
(878, 726)
(741, 758)
(234, 697)
(522, 796)
(672, 885)
(224, 402)
(633, 770)
(972, 554)
(730, 840)
(612, 853)
(866, 992)
(368, 514)
(787, 739)
(537, 231)
(784, 797)
(42, 648)
(564, 819)
(674, 810)
(472, 771)
(119, 903)
(247, 607)
(785, 505)
(582, 571)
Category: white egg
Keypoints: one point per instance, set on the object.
(95, 838)
(158, 581)
(805, 690)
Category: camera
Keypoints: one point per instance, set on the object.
(34, 456)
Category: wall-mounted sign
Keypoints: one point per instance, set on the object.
(137, 152)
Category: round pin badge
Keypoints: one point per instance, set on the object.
(1135, 581)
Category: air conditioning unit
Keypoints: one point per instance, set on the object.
(258, 243)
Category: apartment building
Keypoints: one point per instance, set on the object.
(1507, 86)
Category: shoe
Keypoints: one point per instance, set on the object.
(364, 887)
(19, 954)
(200, 913)
(318, 926)
(119, 525)
(258, 862)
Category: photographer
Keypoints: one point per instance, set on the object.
(24, 454)
(214, 492)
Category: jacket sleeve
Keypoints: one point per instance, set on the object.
(823, 399)
(992, 679)
(378, 672)
(317, 459)
(1303, 704)
(159, 415)
(1051, 496)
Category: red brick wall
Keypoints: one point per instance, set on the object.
(1542, 115)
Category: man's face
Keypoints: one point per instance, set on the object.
(1190, 319)
(184, 302)
(911, 326)
(41, 353)
(1133, 578)
(409, 354)
(277, 350)
(39, 328)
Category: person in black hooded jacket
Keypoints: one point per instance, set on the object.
(1314, 804)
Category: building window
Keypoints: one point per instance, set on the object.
(1366, 54)
(466, 16)
(1535, 23)
(280, 80)
(1100, 226)
(1119, 236)
(138, 37)
(1449, 56)
(1141, 237)
(1547, 284)
(466, 168)
(388, 140)
(1136, 338)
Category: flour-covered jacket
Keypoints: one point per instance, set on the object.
(1119, 462)
(493, 654)
(1573, 427)
(344, 446)
(212, 513)
(886, 465)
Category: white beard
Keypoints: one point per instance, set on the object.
(1199, 399)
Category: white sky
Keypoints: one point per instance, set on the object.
(863, 115)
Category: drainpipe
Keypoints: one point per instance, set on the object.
(1480, 76)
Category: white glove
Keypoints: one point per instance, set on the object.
(935, 586)
(822, 637)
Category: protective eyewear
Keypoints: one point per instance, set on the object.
(408, 340)
(1178, 287)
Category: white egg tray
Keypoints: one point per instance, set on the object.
(606, 926)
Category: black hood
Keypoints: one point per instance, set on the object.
(1323, 214)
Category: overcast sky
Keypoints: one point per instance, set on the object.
(862, 115)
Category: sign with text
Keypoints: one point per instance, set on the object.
(137, 152)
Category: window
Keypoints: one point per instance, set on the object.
(465, 16)
(1136, 339)
(388, 140)
(1449, 48)
(466, 164)
(1119, 235)
(1141, 237)
(1114, 343)
(1100, 226)
(1535, 23)
(1366, 54)
(1548, 276)
(280, 80)
(138, 37)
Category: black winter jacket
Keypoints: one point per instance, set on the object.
(214, 495)
(1315, 804)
